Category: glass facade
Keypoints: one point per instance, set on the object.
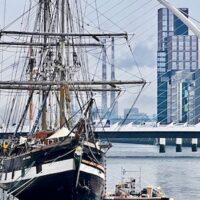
(182, 52)
(181, 28)
(168, 26)
(183, 91)
(178, 82)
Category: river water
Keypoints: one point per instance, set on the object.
(178, 174)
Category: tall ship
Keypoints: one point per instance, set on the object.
(59, 157)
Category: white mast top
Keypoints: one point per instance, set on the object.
(195, 29)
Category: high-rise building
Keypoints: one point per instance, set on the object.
(177, 62)
(183, 91)
(182, 65)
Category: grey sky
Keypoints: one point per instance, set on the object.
(134, 16)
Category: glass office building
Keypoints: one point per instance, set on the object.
(183, 96)
(177, 51)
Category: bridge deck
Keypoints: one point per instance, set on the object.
(148, 134)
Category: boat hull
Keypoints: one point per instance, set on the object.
(68, 176)
(60, 186)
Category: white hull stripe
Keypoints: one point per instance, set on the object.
(93, 164)
(92, 170)
(49, 169)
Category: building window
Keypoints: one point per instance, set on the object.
(194, 56)
(164, 28)
(187, 43)
(187, 56)
(164, 35)
(161, 59)
(161, 64)
(161, 54)
(171, 23)
(194, 39)
(187, 65)
(171, 17)
(164, 79)
(164, 12)
(194, 65)
(174, 45)
(174, 55)
(180, 39)
(164, 25)
(164, 22)
(174, 48)
(180, 65)
(174, 66)
(194, 47)
(180, 56)
(180, 45)
(161, 70)
(174, 39)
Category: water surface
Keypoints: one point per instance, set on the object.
(178, 174)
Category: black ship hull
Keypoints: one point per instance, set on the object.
(61, 186)
(63, 178)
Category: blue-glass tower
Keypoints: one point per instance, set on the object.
(168, 25)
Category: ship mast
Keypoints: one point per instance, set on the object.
(31, 66)
(62, 73)
(44, 113)
(50, 62)
(63, 67)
